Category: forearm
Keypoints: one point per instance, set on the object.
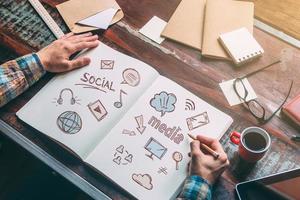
(196, 188)
(18, 75)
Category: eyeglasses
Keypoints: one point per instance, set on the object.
(256, 109)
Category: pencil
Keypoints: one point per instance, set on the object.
(207, 148)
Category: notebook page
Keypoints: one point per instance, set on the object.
(80, 107)
(146, 153)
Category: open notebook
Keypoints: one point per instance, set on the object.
(124, 119)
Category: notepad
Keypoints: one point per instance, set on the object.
(241, 45)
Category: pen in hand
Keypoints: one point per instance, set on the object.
(207, 148)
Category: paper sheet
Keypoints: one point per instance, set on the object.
(100, 20)
(147, 151)
(73, 11)
(153, 29)
(231, 96)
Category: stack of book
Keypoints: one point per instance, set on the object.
(199, 24)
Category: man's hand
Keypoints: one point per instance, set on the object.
(205, 165)
(55, 57)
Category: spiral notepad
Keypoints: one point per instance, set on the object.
(241, 46)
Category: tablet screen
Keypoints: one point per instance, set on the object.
(280, 186)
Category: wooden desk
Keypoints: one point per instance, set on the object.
(22, 30)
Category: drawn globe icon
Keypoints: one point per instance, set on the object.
(69, 122)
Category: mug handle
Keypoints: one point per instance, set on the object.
(235, 137)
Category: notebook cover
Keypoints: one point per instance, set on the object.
(222, 16)
(186, 24)
(292, 109)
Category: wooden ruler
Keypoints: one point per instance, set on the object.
(47, 18)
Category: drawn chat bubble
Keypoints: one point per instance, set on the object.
(131, 77)
(163, 102)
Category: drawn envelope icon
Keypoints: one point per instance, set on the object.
(107, 64)
(73, 11)
(197, 121)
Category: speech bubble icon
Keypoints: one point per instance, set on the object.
(131, 77)
(163, 102)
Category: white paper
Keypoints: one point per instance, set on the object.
(231, 96)
(153, 28)
(43, 110)
(100, 20)
(112, 162)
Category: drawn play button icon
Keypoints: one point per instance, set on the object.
(98, 110)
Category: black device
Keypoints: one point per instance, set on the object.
(284, 185)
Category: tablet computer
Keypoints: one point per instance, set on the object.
(284, 185)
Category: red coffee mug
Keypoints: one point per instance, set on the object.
(253, 143)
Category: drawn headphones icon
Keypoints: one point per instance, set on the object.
(60, 99)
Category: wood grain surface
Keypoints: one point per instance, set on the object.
(283, 15)
(22, 30)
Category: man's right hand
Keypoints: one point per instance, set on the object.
(55, 57)
(204, 164)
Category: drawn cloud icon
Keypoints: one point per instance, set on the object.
(144, 180)
(163, 102)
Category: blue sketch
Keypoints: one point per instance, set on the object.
(155, 148)
(163, 102)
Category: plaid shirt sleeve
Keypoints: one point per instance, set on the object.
(18, 75)
(196, 188)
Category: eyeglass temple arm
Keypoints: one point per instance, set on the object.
(287, 96)
(254, 72)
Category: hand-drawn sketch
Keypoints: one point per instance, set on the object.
(69, 122)
(177, 157)
(122, 156)
(117, 160)
(128, 132)
(155, 148)
(163, 102)
(95, 82)
(120, 149)
(163, 170)
(131, 77)
(98, 110)
(73, 100)
(189, 104)
(128, 158)
(140, 122)
(197, 121)
(143, 180)
(119, 104)
(107, 64)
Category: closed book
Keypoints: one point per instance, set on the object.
(186, 24)
(292, 109)
(222, 16)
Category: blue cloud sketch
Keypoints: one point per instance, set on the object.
(163, 102)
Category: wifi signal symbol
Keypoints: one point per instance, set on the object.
(189, 105)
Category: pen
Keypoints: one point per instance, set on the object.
(207, 148)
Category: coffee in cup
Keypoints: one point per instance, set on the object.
(253, 143)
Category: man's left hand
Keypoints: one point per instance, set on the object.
(55, 57)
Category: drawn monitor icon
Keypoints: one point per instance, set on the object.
(155, 148)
